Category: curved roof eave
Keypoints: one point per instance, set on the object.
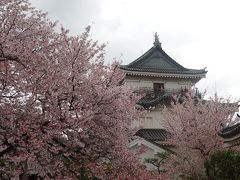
(175, 75)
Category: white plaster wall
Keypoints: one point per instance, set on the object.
(139, 84)
(152, 119)
(132, 83)
(172, 85)
(185, 84)
(157, 116)
(147, 82)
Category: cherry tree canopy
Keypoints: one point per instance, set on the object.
(194, 125)
(63, 113)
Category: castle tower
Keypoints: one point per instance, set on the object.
(159, 76)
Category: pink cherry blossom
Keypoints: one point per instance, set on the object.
(194, 125)
(64, 114)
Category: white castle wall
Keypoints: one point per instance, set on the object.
(145, 82)
(153, 118)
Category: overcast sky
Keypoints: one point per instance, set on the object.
(197, 34)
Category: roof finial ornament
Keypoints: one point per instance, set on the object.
(156, 40)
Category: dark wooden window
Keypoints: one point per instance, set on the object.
(158, 87)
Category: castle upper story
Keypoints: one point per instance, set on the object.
(156, 69)
(158, 74)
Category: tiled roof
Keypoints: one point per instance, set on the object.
(230, 131)
(155, 60)
(153, 134)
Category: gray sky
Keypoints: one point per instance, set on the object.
(196, 33)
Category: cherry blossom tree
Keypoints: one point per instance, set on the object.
(64, 114)
(194, 125)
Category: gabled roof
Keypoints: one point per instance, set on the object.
(155, 60)
(158, 148)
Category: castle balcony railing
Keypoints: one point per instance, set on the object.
(155, 97)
